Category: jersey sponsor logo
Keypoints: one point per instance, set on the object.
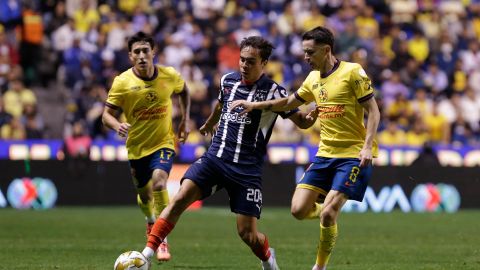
(331, 111)
(150, 113)
(236, 118)
(151, 97)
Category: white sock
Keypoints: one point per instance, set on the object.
(148, 252)
(150, 219)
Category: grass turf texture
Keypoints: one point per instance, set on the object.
(92, 238)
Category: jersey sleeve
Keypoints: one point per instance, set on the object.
(281, 92)
(115, 95)
(361, 84)
(178, 82)
(305, 93)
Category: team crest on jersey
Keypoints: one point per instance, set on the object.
(260, 95)
(135, 88)
(315, 86)
(151, 97)
(323, 95)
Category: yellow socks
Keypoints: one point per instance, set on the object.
(328, 237)
(160, 199)
(147, 209)
(315, 212)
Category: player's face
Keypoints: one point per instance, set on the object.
(141, 56)
(251, 64)
(315, 54)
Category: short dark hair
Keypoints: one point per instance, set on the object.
(321, 35)
(260, 43)
(140, 36)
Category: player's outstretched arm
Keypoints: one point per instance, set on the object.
(109, 120)
(209, 126)
(372, 124)
(183, 127)
(278, 105)
(304, 120)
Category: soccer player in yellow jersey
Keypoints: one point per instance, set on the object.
(144, 93)
(342, 167)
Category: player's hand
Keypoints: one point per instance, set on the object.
(312, 115)
(123, 129)
(207, 129)
(365, 157)
(243, 105)
(183, 131)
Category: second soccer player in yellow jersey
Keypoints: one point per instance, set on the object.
(342, 167)
(143, 93)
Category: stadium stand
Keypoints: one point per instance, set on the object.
(58, 58)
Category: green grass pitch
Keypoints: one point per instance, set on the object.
(92, 238)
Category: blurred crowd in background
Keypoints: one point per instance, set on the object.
(423, 57)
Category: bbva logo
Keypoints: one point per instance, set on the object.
(424, 198)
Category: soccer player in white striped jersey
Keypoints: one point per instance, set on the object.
(235, 158)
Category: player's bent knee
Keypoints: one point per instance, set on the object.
(328, 216)
(298, 212)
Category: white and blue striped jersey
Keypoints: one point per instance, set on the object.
(243, 139)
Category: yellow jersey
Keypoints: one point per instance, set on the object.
(147, 106)
(338, 95)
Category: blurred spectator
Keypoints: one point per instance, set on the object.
(77, 145)
(427, 157)
(5, 117)
(450, 107)
(245, 31)
(177, 52)
(85, 15)
(421, 105)
(437, 126)
(471, 56)
(10, 13)
(418, 135)
(55, 20)
(418, 46)
(470, 108)
(8, 58)
(33, 122)
(13, 131)
(435, 79)
(228, 56)
(74, 59)
(458, 78)
(17, 97)
(401, 110)
(31, 42)
(392, 135)
(462, 132)
(393, 87)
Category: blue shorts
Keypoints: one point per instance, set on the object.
(142, 169)
(341, 174)
(242, 182)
